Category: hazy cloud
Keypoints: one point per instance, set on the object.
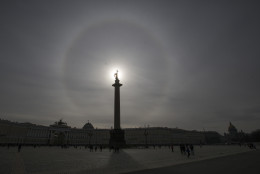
(190, 64)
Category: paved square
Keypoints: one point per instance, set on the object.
(43, 160)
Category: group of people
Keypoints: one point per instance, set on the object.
(187, 149)
(92, 148)
(251, 146)
(114, 149)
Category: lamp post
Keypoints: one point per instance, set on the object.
(90, 135)
(146, 134)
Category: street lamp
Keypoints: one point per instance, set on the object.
(146, 134)
(90, 135)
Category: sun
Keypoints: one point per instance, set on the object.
(113, 71)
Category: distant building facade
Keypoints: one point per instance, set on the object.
(60, 133)
(212, 137)
(234, 136)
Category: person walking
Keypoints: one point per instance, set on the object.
(192, 149)
(19, 147)
(188, 151)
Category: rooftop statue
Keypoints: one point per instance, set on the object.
(116, 75)
(60, 123)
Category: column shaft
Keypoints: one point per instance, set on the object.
(117, 108)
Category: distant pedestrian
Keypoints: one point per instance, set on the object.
(188, 151)
(182, 148)
(19, 147)
(90, 148)
(192, 149)
(116, 149)
(172, 148)
(251, 146)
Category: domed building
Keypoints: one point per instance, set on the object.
(232, 129)
(88, 126)
(233, 136)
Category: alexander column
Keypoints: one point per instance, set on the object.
(117, 135)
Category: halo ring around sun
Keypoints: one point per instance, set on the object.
(123, 72)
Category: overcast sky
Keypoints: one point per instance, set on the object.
(186, 64)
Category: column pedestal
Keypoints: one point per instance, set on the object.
(117, 138)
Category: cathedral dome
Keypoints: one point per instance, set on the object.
(232, 129)
(88, 126)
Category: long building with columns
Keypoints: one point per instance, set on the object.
(60, 133)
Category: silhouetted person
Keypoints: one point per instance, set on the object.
(114, 148)
(183, 150)
(192, 149)
(110, 148)
(95, 148)
(188, 151)
(90, 148)
(19, 147)
(172, 148)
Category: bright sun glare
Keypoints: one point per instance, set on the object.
(113, 71)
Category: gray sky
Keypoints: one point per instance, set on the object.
(186, 64)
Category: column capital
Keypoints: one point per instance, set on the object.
(117, 84)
